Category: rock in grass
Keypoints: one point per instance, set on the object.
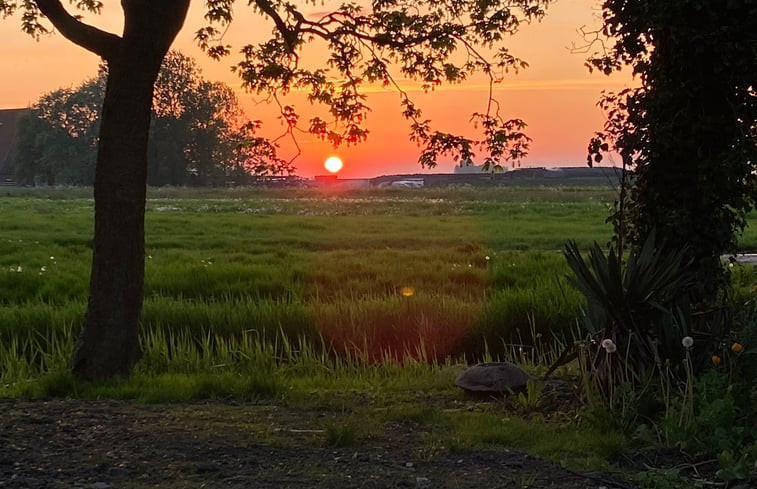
(493, 379)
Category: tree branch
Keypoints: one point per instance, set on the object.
(290, 35)
(102, 43)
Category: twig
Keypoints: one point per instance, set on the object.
(299, 431)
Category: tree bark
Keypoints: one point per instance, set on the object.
(109, 343)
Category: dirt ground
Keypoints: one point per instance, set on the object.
(110, 444)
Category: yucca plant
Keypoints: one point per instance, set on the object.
(640, 305)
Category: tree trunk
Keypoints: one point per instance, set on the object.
(109, 344)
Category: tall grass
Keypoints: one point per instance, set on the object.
(185, 365)
(377, 276)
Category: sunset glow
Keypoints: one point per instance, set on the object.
(556, 96)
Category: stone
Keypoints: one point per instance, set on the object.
(493, 378)
(422, 482)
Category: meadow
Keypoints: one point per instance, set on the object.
(427, 275)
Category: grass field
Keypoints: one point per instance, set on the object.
(357, 308)
(369, 274)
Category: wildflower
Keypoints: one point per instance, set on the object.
(609, 346)
(716, 360)
(19, 269)
(52, 258)
(737, 347)
(43, 269)
(487, 258)
(687, 342)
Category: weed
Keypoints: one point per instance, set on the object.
(532, 398)
(339, 435)
(664, 479)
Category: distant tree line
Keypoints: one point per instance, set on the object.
(198, 135)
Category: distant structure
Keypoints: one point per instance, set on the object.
(406, 183)
(577, 176)
(469, 170)
(326, 179)
(333, 181)
(8, 122)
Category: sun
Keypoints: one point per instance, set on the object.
(333, 164)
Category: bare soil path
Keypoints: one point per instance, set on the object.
(71, 444)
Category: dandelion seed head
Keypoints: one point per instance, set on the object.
(609, 345)
(687, 341)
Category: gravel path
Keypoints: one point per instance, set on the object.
(109, 444)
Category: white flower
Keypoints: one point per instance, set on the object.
(609, 346)
(52, 258)
(487, 258)
(43, 269)
(19, 270)
(687, 342)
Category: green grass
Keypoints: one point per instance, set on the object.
(429, 273)
(309, 264)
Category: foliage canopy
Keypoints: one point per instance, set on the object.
(689, 132)
(368, 43)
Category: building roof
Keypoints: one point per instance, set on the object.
(8, 120)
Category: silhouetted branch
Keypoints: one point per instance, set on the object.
(102, 43)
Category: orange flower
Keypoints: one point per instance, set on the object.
(715, 359)
(737, 347)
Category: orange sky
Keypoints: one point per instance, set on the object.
(556, 96)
